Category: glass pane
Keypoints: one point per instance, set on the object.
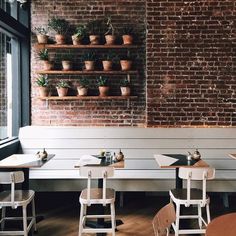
(6, 6)
(5, 87)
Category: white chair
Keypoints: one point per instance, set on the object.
(91, 196)
(163, 219)
(14, 199)
(192, 196)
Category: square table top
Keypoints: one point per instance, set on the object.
(24, 161)
(178, 160)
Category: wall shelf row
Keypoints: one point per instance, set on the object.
(50, 98)
(84, 72)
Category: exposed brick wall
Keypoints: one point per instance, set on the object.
(94, 113)
(190, 64)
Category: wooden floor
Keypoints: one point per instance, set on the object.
(61, 212)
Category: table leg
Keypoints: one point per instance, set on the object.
(178, 181)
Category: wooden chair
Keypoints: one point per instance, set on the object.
(191, 196)
(89, 196)
(163, 219)
(14, 199)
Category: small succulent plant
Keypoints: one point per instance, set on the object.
(62, 84)
(42, 81)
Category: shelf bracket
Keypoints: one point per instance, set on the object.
(47, 103)
(128, 103)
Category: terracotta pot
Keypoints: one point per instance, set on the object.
(110, 39)
(43, 91)
(60, 39)
(107, 65)
(47, 65)
(67, 65)
(62, 92)
(127, 39)
(76, 40)
(82, 91)
(103, 91)
(125, 91)
(94, 39)
(42, 38)
(89, 65)
(125, 64)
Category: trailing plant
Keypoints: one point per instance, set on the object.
(61, 26)
(124, 83)
(84, 82)
(42, 81)
(127, 30)
(41, 30)
(110, 27)
(62, 84)
(43, 55)
(80, 31)
(102, 81)
(94, 27)
(89, 56)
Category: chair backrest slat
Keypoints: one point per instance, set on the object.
(163, 220)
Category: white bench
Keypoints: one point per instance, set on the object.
(69, 143)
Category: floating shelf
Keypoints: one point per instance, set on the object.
(87, 98)
(70, 46)
(84, 72)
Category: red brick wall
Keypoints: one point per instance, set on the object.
(190, 64)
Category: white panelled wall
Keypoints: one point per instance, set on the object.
(69, 143)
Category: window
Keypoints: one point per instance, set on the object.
(14, 75)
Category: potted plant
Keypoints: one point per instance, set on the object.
(79, 34)
(125, 87)
(107, 62)
(44, 57)
(42, 83)
(83, 86)
(110, 33)
(126, 63)
(41, 34)
(60, 26)
(94, 28)
(62, 88)
(103, 87)
(89, 61)
(66, 61)
(127, 35)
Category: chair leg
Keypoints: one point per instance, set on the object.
(24, 221)
(113, 219)
(81, 219)
(3, 216)
(199, 216)
(177, 219)
(34, 215)
(208, 213)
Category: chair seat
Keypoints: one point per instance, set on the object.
(96, 195)
(22, 197)
(181, 194)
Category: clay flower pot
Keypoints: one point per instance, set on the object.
(103, 91)
(94, 39)
(76, 40)
(89, 65)
(60, 39)
(62, 92)
(125, 65)
(67, 65)
(127, 39)
(125, 91)
(43, 91)
(110, 39)
(82, 91)
(107, 65)
(42, 38)
(47, 65)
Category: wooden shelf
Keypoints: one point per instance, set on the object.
(84, 72)
(70, 46)
(88, 98)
